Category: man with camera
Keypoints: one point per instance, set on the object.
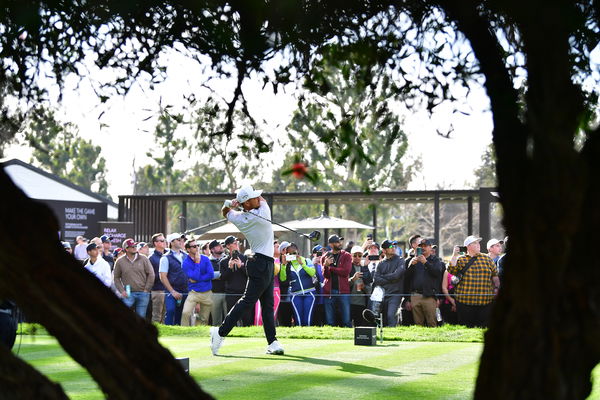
(423, 281)
(360, 286)
(336, 268)
(233, 273)
(390, 276)
(476, 283)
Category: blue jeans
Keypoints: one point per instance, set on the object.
(174, 309)
(342, 303)
(303, 308)
(140, 300)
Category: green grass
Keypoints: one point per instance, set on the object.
(310, 369)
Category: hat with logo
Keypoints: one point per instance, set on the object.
(246, 193)
(317, 248)
(91, 246)
(471, 239)
(213, 244)
(493, 242)
(128, 243)
(229, 239)
(425, 241)
(356, 249)
(173, 236)
(388, 244)
(334, 239)
(141, 244)
(117, 251)
(105, 238)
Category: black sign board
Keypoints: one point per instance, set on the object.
(77, 218)
(118, 231)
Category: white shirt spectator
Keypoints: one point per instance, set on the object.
(258, 231)
(101, 269)
(80, 251)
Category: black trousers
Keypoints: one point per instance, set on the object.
(473, 316)
(258, 287)
(247, 318)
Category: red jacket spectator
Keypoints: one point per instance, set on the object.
(338, 273)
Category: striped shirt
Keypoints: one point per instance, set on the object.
(475, 287)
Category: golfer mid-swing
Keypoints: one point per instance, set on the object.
(259, 233)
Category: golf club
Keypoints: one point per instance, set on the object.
(314, 236)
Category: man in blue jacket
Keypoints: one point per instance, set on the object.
(200, 274)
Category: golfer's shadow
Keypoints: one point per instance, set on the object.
(344, 366)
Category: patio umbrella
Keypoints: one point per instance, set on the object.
(228, 229)
(325, 222)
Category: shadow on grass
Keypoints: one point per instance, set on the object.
(343, 366)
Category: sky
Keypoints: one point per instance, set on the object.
(124, 130)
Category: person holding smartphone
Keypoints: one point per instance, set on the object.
(360, 287)
(234, 275)
(337, 265)
(423, 279)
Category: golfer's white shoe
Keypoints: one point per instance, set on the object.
(275, 348)
(216, 340)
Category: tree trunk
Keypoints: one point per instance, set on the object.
(543, 338)
(20, 380)
(119, 349)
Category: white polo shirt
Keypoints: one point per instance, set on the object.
(258, 231)
(101, 269)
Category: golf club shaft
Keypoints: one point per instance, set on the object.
(283, 226)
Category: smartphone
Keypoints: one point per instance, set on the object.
(419, 251)
(373, 257)
(370, 236)
(462, 249)
(235, 254)
(291, 257)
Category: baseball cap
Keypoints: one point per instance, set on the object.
(213, 244)
(374, 244)
(356, 249)
(105, 238)
(128, 243)
(66, 245)
(174, 236)
(471, 239)
(388, 244)
(317, 248)
(334, 239)
(284, 245)
(425, 241)
(117, 251)
(229, 239)
(246, 193)
(492, 242)
(141, 244)
(91, 246)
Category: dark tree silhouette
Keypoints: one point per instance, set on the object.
(543, 340)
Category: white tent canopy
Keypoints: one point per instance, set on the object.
(325, 222)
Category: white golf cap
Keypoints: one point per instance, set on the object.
(246, 193)
(174, 236)
(357, 249)
(471, 239)
(492, 242)
(283, 245)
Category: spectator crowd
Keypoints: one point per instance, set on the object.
(178, 280)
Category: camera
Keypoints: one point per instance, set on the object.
(373, 257)
(319, 253)
(235, 254)
(462, 249)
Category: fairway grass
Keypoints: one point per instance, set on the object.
(310, 369)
